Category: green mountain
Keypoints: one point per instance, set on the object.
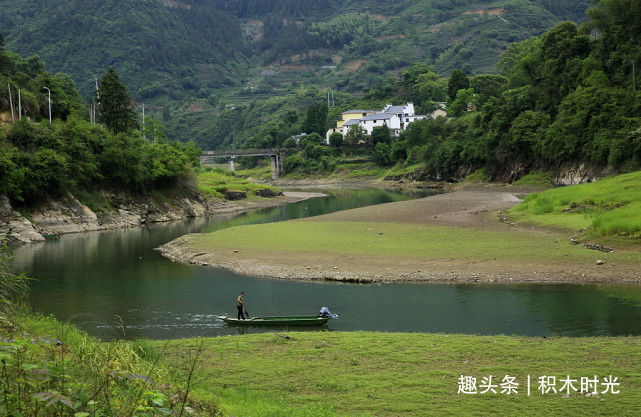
(178, 49)
(192, 60)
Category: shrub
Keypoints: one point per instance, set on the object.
(382, 154)
(336, 140)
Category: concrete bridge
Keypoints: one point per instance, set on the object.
(277, 156)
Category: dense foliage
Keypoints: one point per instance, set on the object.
(198, 59)
(564, 99)
(115, 104)
(39, 159)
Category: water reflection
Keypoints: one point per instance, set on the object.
(113, 284)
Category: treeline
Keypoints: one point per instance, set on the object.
(40, 159)
(566, 98)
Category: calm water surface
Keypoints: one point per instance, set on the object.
(113, 284)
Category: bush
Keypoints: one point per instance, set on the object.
(336, 140)
(292, 162)
(382, 154)
(289, 143)
(381, 134)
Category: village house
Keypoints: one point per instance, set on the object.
(396, 118)
(347, 116)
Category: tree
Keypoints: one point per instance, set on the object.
(316, 119)
(290, 142)
(464, 98)
(383, 154)
(355, 134)
(115, 104)
(336, 139)
(458, 81)
(487, 86)
(5, 62)
(381, 134)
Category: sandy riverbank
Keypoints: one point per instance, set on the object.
(452, 237)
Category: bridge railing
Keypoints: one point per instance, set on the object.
(248, 152)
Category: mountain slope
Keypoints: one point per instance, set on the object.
(161, 48)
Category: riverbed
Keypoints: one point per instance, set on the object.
(113, 284)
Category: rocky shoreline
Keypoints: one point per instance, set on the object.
(68, 215)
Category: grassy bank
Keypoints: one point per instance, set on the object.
(344, 168)
(50, 368)
(214, 182)
(452, 237)
(383, 374)
(609, 207)
(398, 240)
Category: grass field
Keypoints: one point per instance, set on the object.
(401, 240)
(609, 207)
(387, 374)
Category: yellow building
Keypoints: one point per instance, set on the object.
(346, 116)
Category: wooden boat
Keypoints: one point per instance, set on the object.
(278, 321)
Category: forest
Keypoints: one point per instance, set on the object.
(195, 59)
(567, 98)
(39, 159)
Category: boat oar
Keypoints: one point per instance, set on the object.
(246, 313)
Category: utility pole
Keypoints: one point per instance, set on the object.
(143, 121)
(47, 88)
(333, 104)
(19, 105)
(634, 78)
(96, 100)
(327, 98)
(13, 115)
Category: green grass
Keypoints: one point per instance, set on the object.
(538, 179)
(404, 374)
(478, 176)
(400, 169)
(401, 240)
(214, 182)
(609, 207)
(359, 170)
(262, 172)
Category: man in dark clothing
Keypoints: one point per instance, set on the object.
(240, 305)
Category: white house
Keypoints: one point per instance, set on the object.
(369, 122)
(396, 118)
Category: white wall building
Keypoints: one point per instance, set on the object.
(396, 118)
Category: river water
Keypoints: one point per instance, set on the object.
(113, 284)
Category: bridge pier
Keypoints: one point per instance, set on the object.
(277, 157)
(277, 166)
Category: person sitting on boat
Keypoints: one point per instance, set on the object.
(325, 313)
(240, 305)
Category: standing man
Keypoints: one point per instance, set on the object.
(240, 305)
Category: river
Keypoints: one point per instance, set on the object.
(113, 284)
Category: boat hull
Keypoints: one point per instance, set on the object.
(278, 321)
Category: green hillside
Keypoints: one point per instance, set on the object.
(40, 159)
(198, 57)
